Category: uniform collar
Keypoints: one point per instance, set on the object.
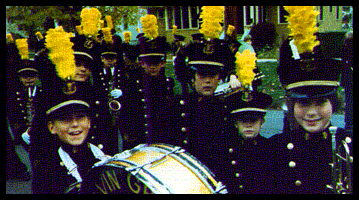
(315, 136)
(309, 136)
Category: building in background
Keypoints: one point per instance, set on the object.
(186, 18)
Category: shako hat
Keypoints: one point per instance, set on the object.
(152, 47)
(208, 57)
(313, 75)
(258, 104)
(26, 66)
(61, 103)
(304, 71)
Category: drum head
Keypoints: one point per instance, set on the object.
(110, 179)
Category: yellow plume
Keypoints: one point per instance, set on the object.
(23, 48)
(79, 30)
(61, 53)
(138, 30)
(102, 24)
(109, 21)
(149, 26)
(230, 30)
(107, 35)
(213, 17)
(127, 36)
(39, 36)
(303, 23)
(175, 28)
(9, 38)
(246, 63)
(90, 21)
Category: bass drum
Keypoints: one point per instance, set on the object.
(152, 169)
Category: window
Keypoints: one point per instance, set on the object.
(249, 15)
(254, 15)
(321, 15)
(282, 14)
(184, 17)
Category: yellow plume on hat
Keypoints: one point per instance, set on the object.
(107, 35)
(90, 21)
(303, 23)
(61, 53)
(149, 26)
(109, 21)
(212, 17)
(127, 36)
(9, 38)
(39, 36)
(175, 28)
(230, 30)
(246, 63)
(79, 30)
(23, 48)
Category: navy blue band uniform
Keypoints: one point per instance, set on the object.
(249, 162)
(305, 160)
(21, 94)
(145, 104)
(200, 125)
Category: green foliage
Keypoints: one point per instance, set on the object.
(33, 18)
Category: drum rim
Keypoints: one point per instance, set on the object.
(185, 158)
(204, 174)
(196, 169)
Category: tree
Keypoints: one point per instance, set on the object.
(34, 18)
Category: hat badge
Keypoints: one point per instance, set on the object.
(247, 96)
(209, 48)
(308, 65)
(89, 43)
(70, 88)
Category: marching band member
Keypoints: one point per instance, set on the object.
(304, 153)
(64, 135)
(198, 121)
(147, 96)
(20, 103)
(211, 45)
(248, 161)
(15, 169)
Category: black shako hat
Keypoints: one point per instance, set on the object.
(27, 68)
(207, 58)
(153, 51)
(308, 75)
(60, 103)
(258, 103)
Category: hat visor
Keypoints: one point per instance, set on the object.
(68, 107)
(153, 60)
(312, 92)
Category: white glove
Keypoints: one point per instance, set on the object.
(116, 93)
(26, 137)
(234, 82)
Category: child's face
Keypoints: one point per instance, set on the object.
(313, 115)
(71, 129)
(249, 129)
(153, 69)
(206, 85)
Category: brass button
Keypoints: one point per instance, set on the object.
(298, 183)
(292, 164)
